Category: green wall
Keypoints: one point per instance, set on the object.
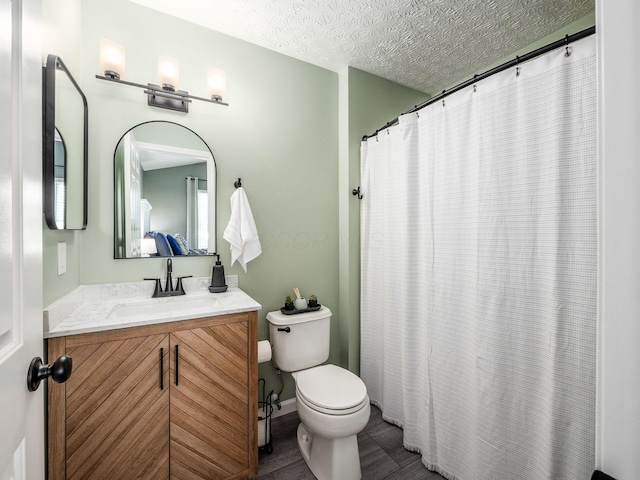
(279, 134)
(292, 132)
(366, 103)
(61, 36)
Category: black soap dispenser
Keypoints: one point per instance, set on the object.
(218, 284)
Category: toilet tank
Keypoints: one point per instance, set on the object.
(300, 340)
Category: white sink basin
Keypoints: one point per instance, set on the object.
(162, 307)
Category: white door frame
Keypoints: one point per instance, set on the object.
(618, 401)
(21, 412)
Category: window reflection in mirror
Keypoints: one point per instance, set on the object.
(65, 123)
(165, 190)
(60, 178)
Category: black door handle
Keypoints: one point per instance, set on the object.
(59, 371)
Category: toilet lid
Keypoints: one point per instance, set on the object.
(332, 387)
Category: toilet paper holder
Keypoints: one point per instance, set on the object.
(265, 409)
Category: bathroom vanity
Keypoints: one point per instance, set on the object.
(160, 388)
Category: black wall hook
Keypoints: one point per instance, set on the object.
(356, 192)
(238, 183)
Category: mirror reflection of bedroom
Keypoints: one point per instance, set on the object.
(164, 193)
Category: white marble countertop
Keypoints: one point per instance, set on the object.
(95, 308)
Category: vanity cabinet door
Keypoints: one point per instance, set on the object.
(117, 409)
(211, 375)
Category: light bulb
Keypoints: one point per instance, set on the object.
(216, 84)
(112, 59)
(168, 73)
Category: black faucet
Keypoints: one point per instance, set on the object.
(168, 286)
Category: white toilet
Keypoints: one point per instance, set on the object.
(332, 402)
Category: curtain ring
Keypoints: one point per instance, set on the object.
(567, 53)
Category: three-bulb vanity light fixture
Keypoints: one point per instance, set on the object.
(165, 95)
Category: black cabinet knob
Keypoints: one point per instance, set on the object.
(59, 371)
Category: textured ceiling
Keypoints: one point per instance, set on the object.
(427, 44)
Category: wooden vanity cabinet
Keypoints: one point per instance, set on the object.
(173, 400)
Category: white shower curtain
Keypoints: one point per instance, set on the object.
(479, 265)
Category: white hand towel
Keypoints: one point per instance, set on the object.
(241, 231)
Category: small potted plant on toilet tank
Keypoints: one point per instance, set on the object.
(313, 301)
(288, 303)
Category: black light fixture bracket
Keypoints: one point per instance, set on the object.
(157, 96)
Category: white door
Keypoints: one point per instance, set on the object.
(21, 412)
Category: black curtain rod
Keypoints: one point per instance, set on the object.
(512, 63)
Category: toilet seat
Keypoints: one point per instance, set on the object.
(331, 390)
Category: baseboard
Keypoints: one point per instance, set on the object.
(288, 406)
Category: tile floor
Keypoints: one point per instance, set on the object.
(382, 455)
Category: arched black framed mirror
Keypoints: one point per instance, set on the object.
(164, 193)
(65, 149)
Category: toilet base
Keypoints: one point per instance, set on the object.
(330, 459)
